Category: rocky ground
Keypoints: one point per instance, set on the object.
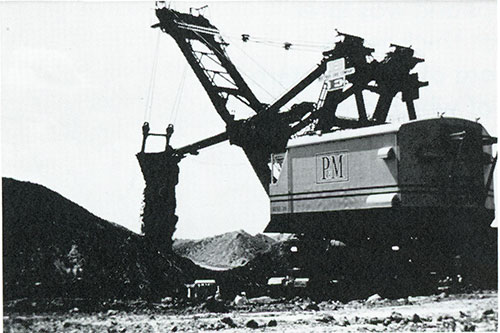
(476, 311)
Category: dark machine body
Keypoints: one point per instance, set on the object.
(411, 205)
(410, 199)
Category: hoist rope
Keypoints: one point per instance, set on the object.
(177, 101)
(152, 81)
(294, 45)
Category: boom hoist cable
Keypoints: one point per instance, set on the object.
(269, 130)
(287, 45)
(262, 68)
(181, 26)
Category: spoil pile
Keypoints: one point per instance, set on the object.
(229, 250)
(54, 248)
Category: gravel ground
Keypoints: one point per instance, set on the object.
(463, 312)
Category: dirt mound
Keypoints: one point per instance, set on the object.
(229, 250)
(54, 248)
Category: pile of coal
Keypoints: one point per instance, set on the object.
(53, 248)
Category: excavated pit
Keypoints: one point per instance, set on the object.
(161, 174)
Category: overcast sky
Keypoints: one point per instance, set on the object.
(75, 79)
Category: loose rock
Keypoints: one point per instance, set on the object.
(375, 320)
(167, 300)
(240, 299)
(344, 322)
(261, 300)
(213, 305)
(272, 323)
(111, 312)
(396, 316)
(443, 295)
(228, 321)
(488, 313)
(450, 324)
(373, 299)
(325, 319)
(416, 318)
(312, 307)
(469, 327)
(252, 324)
